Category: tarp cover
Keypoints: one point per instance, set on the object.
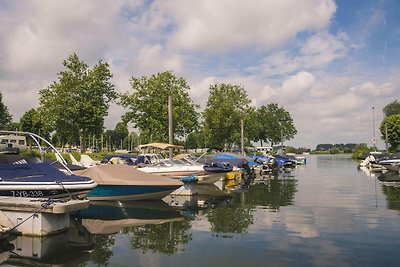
(161, 146)
(35, 172)
(123, 174)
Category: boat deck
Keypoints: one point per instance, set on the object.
(41, 205)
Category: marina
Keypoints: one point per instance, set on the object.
(325, 213)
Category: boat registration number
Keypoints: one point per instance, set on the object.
(34, 193)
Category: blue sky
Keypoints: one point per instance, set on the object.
(327, 62)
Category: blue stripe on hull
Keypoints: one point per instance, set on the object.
(120, 192)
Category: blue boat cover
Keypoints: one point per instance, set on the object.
(36, 172)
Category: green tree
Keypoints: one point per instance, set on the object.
(274, 123)
(393, 130)
(120, 134)
(227, 105)
(392, 109)
(360, 150)
(75, 105)
(148, 106)
(5, 117)
(31, 122)
(191, 141)
(12, 126)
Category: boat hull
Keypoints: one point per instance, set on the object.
(45, 190)
(130, 192)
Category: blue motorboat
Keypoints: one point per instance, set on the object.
(37, 180)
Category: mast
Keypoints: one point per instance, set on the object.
(170, 128)
(373, 128)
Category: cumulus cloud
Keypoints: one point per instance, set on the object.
(220, 25)
(319, 50)
(279, 50)
(297, 87)
(369, 89)
(322, 48)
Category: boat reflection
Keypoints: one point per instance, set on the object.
(69, 248)
(105, 217)
(209, 196)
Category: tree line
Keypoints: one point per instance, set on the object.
(73, 108)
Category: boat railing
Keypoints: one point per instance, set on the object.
(36, 138)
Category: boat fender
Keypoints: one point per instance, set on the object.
(189, 179)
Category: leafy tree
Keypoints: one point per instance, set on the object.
(5, 117)
(75, 105)
(393, 130)
(392, 109)
(12, 126)
(227, 105)
(31, 122)
(148, 106)
(274, 123)
(191, 141)
(120, 133)
(360, 150)
(195, 140)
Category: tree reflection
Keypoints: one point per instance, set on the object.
(230, 219)
(392, 197)
(237, 217)
(273, 193)
(103, 250)
(165, 238)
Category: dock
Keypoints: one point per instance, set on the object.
(37, 217)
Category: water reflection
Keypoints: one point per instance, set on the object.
(272, 192)
(208, 197)
(266, 192)
(390, 188)
(106, 217)
(68, 248)
(166, 238)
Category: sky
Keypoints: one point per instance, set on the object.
(334, 65)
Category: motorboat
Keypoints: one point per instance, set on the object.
(37, 179)
(122, 182)
(179, 168)
(392, 163)
(41, 180)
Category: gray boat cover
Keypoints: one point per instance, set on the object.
(123, 174)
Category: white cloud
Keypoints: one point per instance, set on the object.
(296, 87)
(153, 58)
(369, 89)
(220, 25)
(322, 48)
(319, 50)
(281, 51)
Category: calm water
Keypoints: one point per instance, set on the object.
(326, 213)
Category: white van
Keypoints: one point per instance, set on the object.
(12, 143)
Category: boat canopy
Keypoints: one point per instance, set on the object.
(121, 174)
(31, 172)
(162, 146)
